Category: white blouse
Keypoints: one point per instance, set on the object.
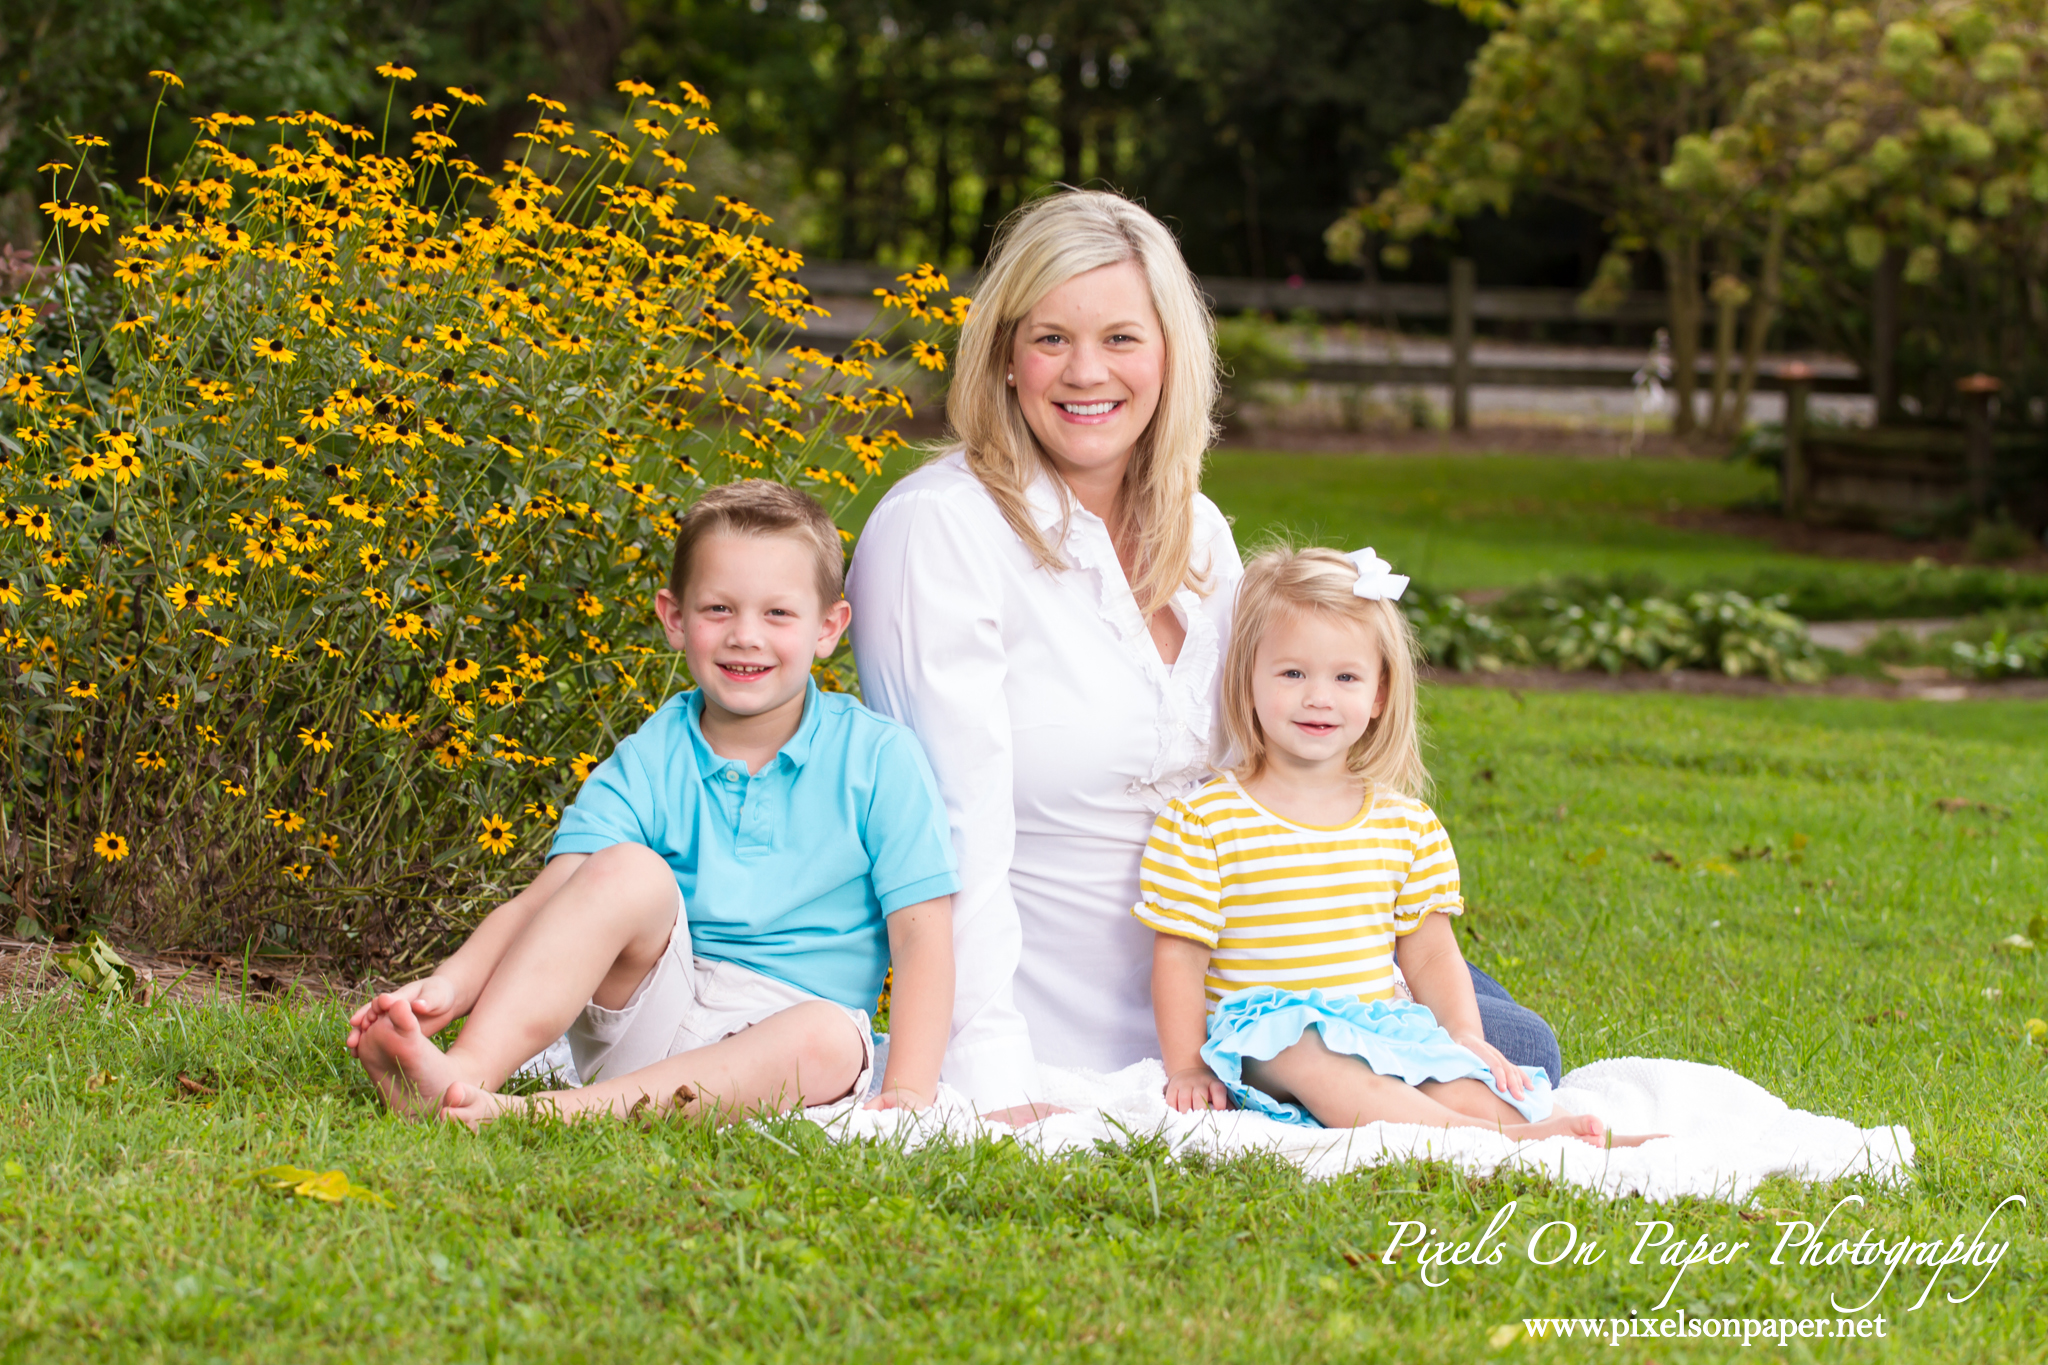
(1057, 733)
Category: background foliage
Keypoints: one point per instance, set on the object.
(332, 529)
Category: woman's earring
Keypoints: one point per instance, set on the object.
(1010, 378)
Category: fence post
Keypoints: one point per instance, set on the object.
(1794, 478)
(1977, 391)
(1464, 283)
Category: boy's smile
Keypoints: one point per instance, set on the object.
(750, 624)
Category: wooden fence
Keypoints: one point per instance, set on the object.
(1460, 303)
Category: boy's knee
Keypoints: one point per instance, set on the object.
(628, 868)
(830, 1053)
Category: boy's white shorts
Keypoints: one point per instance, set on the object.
(690, 1002)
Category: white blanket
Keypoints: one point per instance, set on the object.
(1727, 1134)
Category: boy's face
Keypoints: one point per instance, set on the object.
(750, 622)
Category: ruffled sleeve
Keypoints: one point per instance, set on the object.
(1432, 883)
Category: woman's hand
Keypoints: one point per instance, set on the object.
(1195, 1088)
(1506, 1074)
(433, 1004)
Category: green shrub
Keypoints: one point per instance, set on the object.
(1452, 635)
(1614, 635)
(1742, 636)
(335, 518)
(2002, 656)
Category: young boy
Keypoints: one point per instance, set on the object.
(722, 899)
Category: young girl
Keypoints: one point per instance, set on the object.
(1284, 892)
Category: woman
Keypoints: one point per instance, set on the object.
(1046, 607)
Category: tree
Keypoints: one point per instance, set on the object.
(1586, 100)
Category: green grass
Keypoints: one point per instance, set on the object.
(127, 1231)
(1458, 522)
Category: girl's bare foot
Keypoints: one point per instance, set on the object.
(410, 1072)
(1585, 1127)
(476, 1106)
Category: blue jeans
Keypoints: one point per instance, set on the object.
(1519, 1032)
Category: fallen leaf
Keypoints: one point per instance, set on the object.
(192, 1087)
(327, 1187)
(1503, 1334)
(2015, 943)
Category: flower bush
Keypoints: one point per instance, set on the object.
(337, 492)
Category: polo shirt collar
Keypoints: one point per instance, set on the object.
(797, 750)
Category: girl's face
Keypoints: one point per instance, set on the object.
(1315, 688)
(1088, 364)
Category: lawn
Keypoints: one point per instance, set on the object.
(1852, 970)
(1458, 522)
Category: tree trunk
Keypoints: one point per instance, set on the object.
(1762, 314)
(1727, 297)
(1884, 334)
(1681, 252)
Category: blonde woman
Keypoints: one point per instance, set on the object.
(1046, 605)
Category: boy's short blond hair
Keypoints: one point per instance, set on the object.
(1280, 583)
(757, 507)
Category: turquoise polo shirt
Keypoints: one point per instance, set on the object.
(792, 871)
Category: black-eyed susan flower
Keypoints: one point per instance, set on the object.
(66, 597)
(264, 554)
(218, 564)
(185, 597)
(232, 787)
(290, 821)
(127, 467)
(207, 734)
(298, 872)
(495, 835)
(82, 691)
(274, 349)
(405, 625)
(10, 592)
(327, 647)
(320, 417)
(543, 810)
(316, 739)
(169, 700)
(453, 752)
(151, 760)
(35, 523)
(464, 670)
(110, 846)
(377, 598)
(268, 467)
(582, 764)
(588, 603)
(372, 559)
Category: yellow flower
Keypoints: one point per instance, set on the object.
(82, 691)
(183, 596)
(319, 741)
(34, 523)
(928, 355)
(274, 350)
(587, 603)
(65, 597)
(10, 592)
(298, 872)
(328, 649)
(372, 559)
(512, 582)
(405, 625)
(290, 821)
(207, 733)
(543, 810)
(452, 753)
(263, 553)
(495, 835)
(233, 788)
(168, 78)
(110, 846)
(392, 71)
(151, 760)
(218, 564)
(269, 467)
(127, 466)
(320, 417)
(582, 764)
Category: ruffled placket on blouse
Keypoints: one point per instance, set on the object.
(1180, 756)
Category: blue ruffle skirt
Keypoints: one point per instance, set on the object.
(1394, 1037)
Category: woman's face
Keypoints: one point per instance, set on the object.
(1088, 364)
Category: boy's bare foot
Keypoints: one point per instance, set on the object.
(1585, 1127)
(410, 1072)
(476, 1106)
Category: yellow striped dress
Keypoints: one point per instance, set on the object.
(1292, 906)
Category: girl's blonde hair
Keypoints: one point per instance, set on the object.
(1039, 248)
(1280, 583)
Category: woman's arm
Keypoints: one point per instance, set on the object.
(1180, 1005)
(920, 1003)
(1435, 969)
(927, 639)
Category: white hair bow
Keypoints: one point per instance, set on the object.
(1377, 581)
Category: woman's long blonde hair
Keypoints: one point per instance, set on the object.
(1279, 583)
(1039, 248)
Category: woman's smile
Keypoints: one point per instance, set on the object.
(1090, 413)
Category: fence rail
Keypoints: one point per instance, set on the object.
(1461, 302)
